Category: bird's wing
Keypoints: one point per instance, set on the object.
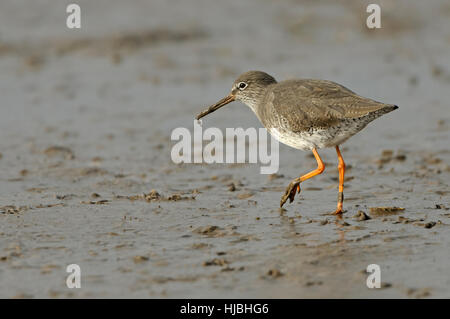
(318, 103)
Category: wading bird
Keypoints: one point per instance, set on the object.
(305, 114)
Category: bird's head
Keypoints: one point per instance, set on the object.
(248, 88)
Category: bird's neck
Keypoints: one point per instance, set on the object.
(255, 99)
(256, 102)
(253, 104)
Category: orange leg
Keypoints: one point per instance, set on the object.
(294, 186)
(341, 167)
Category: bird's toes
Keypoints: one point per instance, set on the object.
(338, 212)
(290, 192)
(283, 200)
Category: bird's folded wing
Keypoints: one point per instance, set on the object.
(317, 103)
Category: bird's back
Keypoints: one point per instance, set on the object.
(299, 105)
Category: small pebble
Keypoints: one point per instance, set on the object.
(430, 225)
(361, 216)
(274, 273)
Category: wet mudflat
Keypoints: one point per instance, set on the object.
(86, 175)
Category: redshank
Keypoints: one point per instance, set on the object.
(305, 114)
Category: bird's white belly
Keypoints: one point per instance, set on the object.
(316, 138)
(296, 140)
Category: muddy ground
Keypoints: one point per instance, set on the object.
(86, 175)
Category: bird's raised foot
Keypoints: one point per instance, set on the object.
(291, 190)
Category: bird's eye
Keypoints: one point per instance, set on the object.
(242, 85)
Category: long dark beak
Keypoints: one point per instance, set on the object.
(218, 105)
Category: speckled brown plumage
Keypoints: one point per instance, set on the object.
(316, 103)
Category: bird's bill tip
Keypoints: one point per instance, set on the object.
(228, 99)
